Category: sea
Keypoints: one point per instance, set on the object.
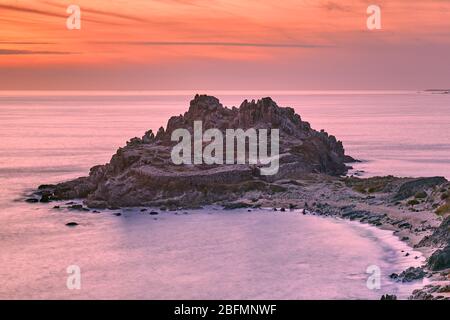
(53, 136)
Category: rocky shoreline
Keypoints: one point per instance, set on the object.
(313, 165)
(416, 224)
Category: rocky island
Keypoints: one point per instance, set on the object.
(142, 173)
(312, 176)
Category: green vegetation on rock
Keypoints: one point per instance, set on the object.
(369, 185)
(413, 202)
(420, 195)
(444, 209)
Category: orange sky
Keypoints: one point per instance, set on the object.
(224, 44)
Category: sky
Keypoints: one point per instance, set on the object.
(224, 45)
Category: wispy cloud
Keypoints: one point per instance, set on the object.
(335, 6)
(99, 12)
(30, 10)
(26, 42)
(213, 44)
(7, 52)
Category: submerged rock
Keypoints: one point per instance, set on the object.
(71, 224)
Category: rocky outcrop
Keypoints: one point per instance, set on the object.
(440, 237)
(142, 173)
(440, 260)
(430, 292)
(410, 274)
(413, 187)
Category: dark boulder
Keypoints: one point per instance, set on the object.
(389, 297)
(405, 225)
(419, 294)
(71, 224)
(45, 198)
(236, 205)
(355, 214)
(46, 186)
(440, 259)
(410, 274)
(349, 159)
(78, 207)
(440, 236)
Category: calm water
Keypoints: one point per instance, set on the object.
(47, 138)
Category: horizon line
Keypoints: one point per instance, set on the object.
(187, 92)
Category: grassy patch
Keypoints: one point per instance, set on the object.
(277, 188)
(369, 185)
(444, 209)
(421, 195)
(250, 186)
(413, 202)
